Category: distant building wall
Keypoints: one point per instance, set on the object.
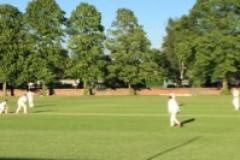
(125, 91)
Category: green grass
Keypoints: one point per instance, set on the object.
(121, 128)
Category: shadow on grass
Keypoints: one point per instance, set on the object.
(181, 104)
(187, 121)
(45, 105)
(173, 148)
(43, 111)
(22, 158)
(40, 111)
(12, 158)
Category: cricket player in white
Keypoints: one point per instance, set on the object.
(173, 109)
(22, 104)
(235, 101)
(30, 98)
(3, 107)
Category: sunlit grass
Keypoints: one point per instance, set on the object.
(121, 128)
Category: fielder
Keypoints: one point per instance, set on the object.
(235, 100)
(3, 107)
(30, 99)
(21, 104)
(173, 110)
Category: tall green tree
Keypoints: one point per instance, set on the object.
(218, 25)
(171, 61)
(155, 68)
(86, 37)
(45, 22)
(207, 41)
(185, 46)
(179, 48)
(130, 50)
(11, 44)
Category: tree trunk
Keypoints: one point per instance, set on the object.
(44, 89)
(225, 86)
(182, 72)
(12, 91)
(4, 89)
(86, 90)
(131, 90)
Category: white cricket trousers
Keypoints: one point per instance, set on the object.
(20, 106)
(173, 119)
(30, 102)
(235, 102)
(1, 109)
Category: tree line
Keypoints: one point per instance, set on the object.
(204, 46)
(42, 44)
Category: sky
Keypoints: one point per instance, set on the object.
(153, 15)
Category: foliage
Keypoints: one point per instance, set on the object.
(44, 21)
(217, 47)
(11, 44)
(132, 61)
(207, 41)
(202, 47)
(86, 44)
(171, 62)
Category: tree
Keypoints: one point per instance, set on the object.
(221, 29)
(185, 46)
(130, 50)
(86, 37)
(44, 21)
(207, 41)
(171, 61)
(11, 44)
(154, 69)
